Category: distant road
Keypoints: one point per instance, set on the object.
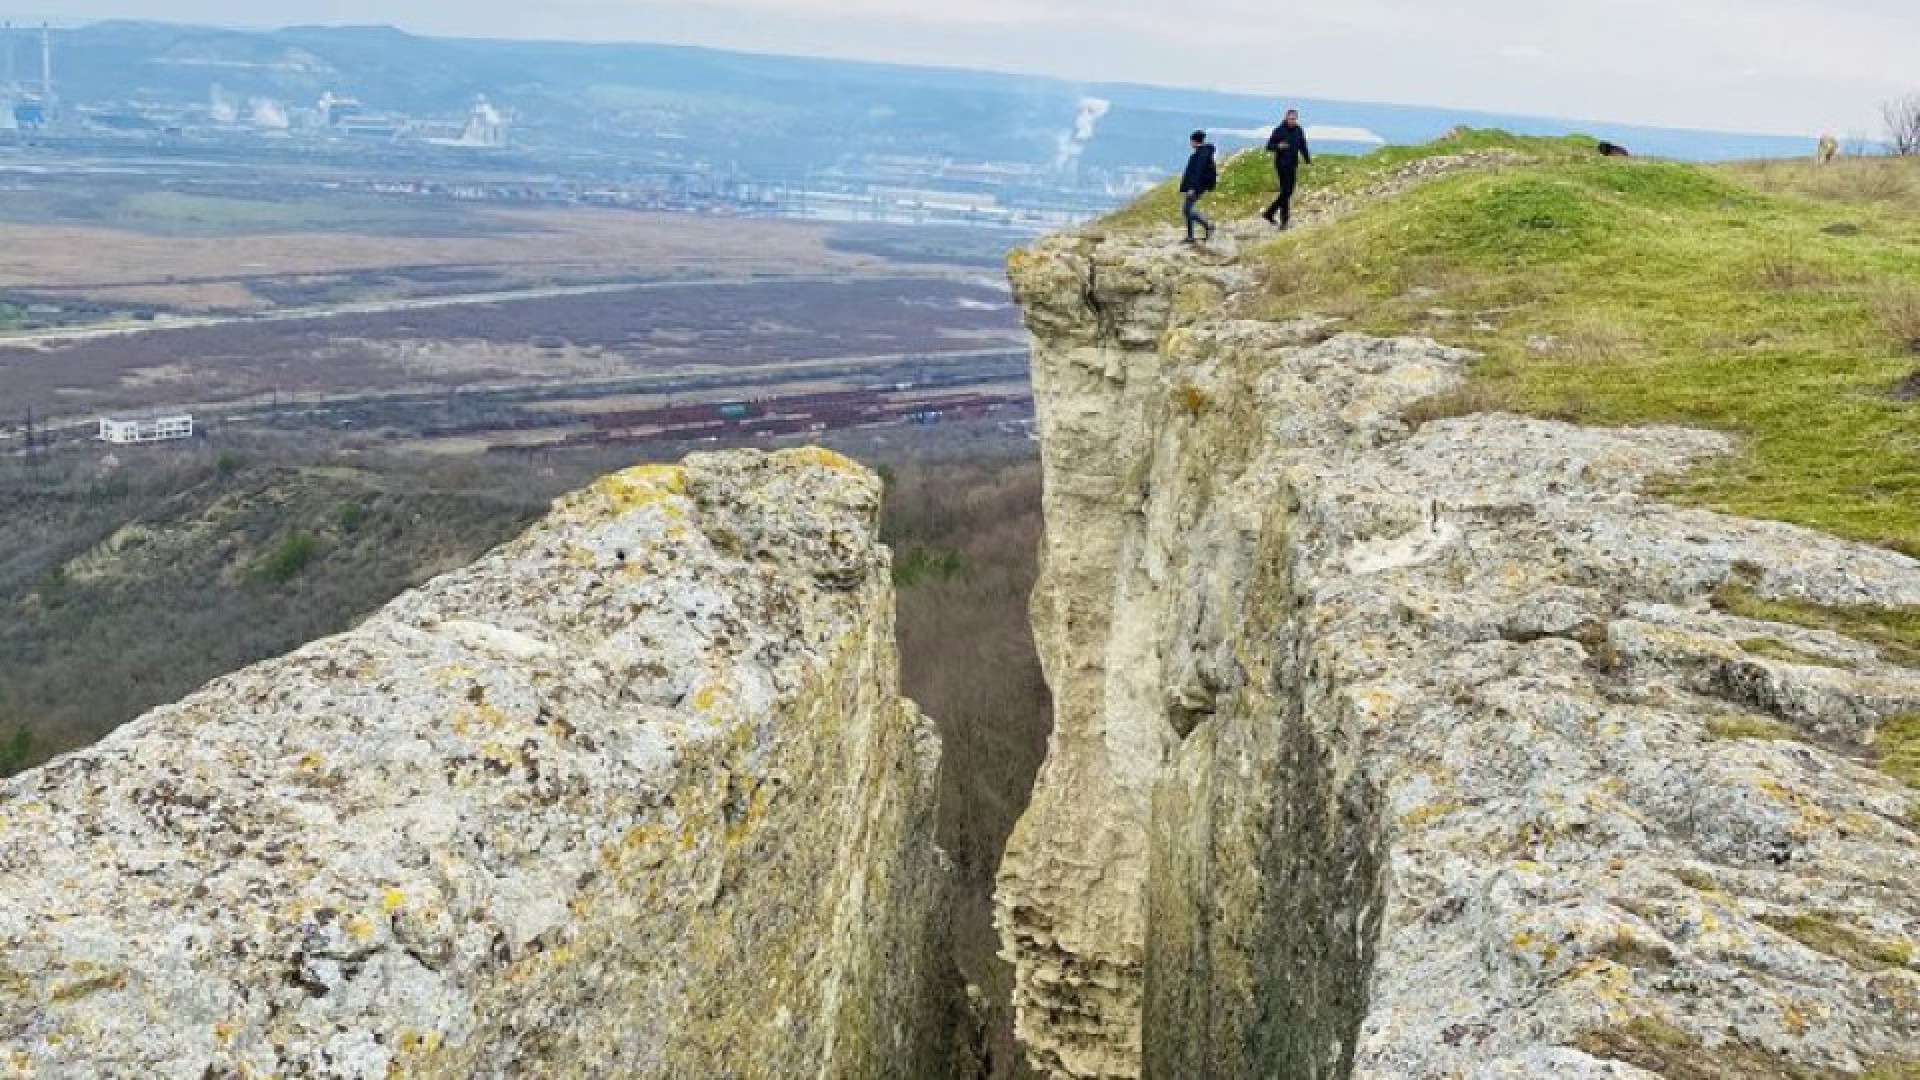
(913, 367)
(163, 323)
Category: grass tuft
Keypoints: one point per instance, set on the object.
(1775, 649)
(1899, 307)
(1894, 631)
(1899, 749)
(1467, 399)
(1825, 934)
(1749, 726)
(1787, 269)
(1698, 880)
(1667, 1051)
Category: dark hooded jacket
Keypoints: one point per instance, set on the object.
(1202, 174)
(1288, 145)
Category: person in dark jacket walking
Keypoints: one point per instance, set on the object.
(1202, 177)
(1288, 145)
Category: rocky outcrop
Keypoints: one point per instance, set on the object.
(1389, 750)
(635, 796)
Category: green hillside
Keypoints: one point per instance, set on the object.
(1777, 301)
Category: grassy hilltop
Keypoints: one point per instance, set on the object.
(1778, 301)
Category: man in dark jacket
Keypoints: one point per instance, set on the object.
(1288, 145)
(1202, 176)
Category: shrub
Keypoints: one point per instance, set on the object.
(52, 585)
(1903, 124)
(350, 516)
(110, 489)
(917, 564)
(16, 750)
(1785, 269)
(287, 560)
(1900, 309)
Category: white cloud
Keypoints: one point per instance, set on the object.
(1767, 65)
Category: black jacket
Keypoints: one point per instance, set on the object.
(1288, 145)
(1202, 174)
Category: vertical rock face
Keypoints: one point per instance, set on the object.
(635, 796)
(1397, 753)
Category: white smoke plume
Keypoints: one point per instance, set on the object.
(487, 126)
(1085, 125)
(1092, 111)
(224, 110)
(268, 114)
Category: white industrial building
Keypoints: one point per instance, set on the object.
(132, 430)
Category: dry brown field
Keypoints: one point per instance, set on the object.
(497, 247)
(549, 338)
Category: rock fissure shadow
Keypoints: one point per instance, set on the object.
(1267, 889)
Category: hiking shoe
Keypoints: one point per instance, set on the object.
(1269, 219)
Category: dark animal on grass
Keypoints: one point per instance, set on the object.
(1608, 149)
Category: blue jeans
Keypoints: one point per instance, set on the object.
(1193, 215)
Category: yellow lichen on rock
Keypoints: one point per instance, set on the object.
(817, 457)
(629, 490)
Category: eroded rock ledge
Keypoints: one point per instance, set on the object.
(635, 796)
(1398, 753)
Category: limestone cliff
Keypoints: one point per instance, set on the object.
(1398, 751)
(635, 796)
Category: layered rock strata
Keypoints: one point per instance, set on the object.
(1397, 750)
(636, 795)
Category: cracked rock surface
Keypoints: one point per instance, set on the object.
(1396, 753)
(636, 795)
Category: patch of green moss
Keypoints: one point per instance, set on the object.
(1750, 726)
(1899, 749)
(1698, 880)
(1893, 1070)
(1894, 631)
(1669, 1052)
(1634, 952)
(1775, 649)
(1824, 934)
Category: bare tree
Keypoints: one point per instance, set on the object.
(1903, 124)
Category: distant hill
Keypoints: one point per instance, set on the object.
(759, 112)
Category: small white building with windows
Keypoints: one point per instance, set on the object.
(133, 430)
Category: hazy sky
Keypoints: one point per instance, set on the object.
(1788, 66)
